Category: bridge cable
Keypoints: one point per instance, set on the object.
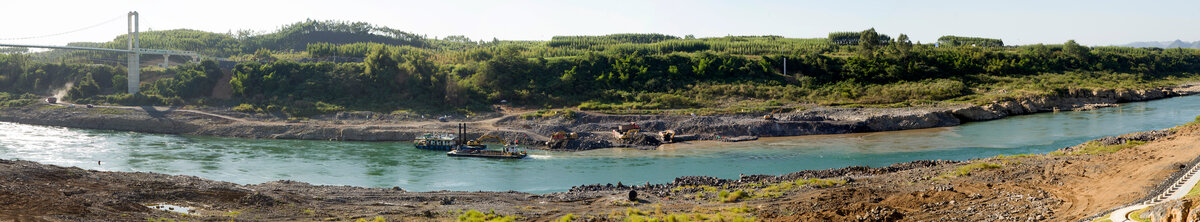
(64, 33)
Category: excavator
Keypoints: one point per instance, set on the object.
(627, 131)
(559, 139)
(667, 136)
(771, 116)
(478, 142)
(561, 135)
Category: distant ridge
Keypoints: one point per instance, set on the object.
(1165, 44)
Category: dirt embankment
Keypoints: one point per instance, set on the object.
(1049, 187)
(595, 130)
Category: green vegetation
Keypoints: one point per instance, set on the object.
(735, 214)
(966, 170)
(1093, 147)
(566, 218)
(377, 219)
(618, 73)
(1195, 191)
(8, 100)
(476, 216)
(1137, 215)
(543, 113)
(1002, 156)
(1192, 123)
(755, 190)
(950, 40)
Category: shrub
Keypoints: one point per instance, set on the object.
(735, 196)
(246, 108)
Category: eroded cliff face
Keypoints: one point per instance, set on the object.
(1182, 210)
(1069, 100)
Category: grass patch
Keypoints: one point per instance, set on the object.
(966, 170)
(377, 219)
(1192, 123)
(734, 196)
(476, 216)
(1137, 215)
(755, 190)
(1195, 191)
(109, 111)
(1093, 147)
(732, 214)
(544, 113)
(566, 218)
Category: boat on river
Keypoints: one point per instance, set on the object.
(436, 142)
(447, 141)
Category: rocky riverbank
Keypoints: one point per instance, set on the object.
(595, 130)
(1063, 186)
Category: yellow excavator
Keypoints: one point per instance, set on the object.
(771, 116)
(627, 131)
(478, 142)
(667, 136)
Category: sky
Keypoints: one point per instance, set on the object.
(1099, 22)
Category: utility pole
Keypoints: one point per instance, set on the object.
(784, 56)
(135, 61)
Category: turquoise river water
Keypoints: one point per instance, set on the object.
(387, 164)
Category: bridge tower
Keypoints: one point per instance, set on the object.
(134, 66)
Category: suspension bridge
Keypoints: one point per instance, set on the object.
(134, 52)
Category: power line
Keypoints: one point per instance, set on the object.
(64, 33)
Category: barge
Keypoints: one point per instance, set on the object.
(507, 153)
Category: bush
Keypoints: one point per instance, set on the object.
(8, 100)
(137, 99)
(246, 108)
(734, 196)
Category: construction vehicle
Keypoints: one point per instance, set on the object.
(51, 100)
(478, 142)
(559, 139)
(560, 135)
(771, 116)
(667, 136)
(627, 131)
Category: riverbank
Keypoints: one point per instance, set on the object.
(595, 130)
(1070, 184)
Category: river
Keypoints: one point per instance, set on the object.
(388, 164)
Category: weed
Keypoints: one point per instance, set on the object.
(968, 169)
(566, 218)
(1093, 147)
(476, 216)
(735, 196)
(377, 219)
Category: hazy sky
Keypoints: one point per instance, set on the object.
(1101, 22)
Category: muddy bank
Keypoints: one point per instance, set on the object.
(594, 130)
